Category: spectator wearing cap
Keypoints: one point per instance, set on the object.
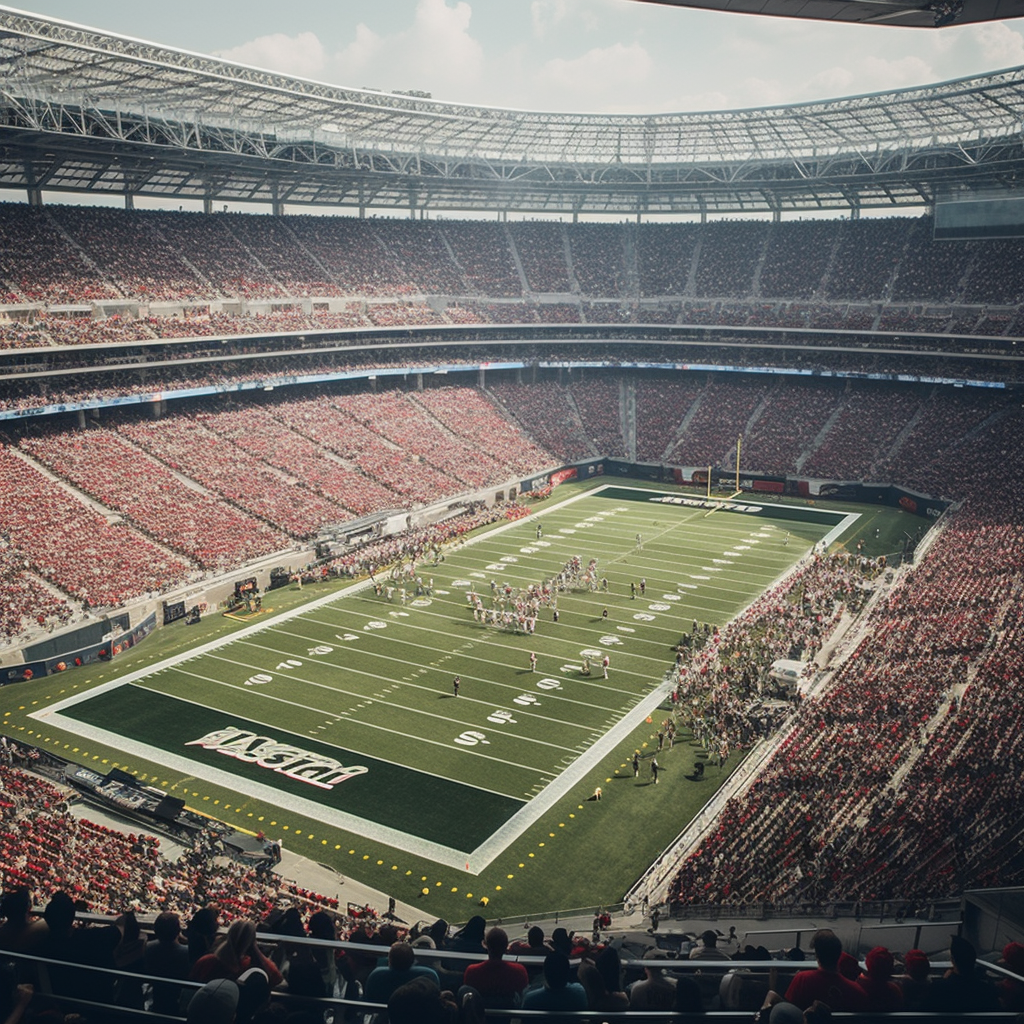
(884, 995)
(558, 992)
(914, 981)
(215, 1003)
(499, 982)
(656, 990)
(825, 982)
(1011, 990)
(401, 968)
(961, 989)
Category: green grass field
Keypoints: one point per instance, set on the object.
(334, 725)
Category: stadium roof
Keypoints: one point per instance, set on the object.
(91, 111)
(903, 13)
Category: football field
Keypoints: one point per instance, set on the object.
(345, 710)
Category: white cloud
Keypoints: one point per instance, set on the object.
(1001, 46)
(878, 74)
(301, 55)
(440, 46)
(547, 16)
(359, 56)
(604, 78)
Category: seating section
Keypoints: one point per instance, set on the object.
(722, 416)
(73, 547)
(868, 425)
(546, 412)
(788, 425)
(542, 249)
(61, 255)
(124, 479)
(661, 408)
(599, 403)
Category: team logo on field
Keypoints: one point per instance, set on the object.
(295, 763)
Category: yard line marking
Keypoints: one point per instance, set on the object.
(596, 683)
(379, 728)
(415, 711)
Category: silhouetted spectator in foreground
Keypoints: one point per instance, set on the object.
(961, 989)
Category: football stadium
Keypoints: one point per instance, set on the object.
(597, 541)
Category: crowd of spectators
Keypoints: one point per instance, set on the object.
(471, 415)
(863, 265)
(598, 254)
(47, 849)
(67, 254)
(867, 426)
(790, 420)
(73, 547)
(599, 402)
(900, 779)
(664, 257)
(724, 411)
(333, 423)
(661, 408)
(401, 421)
(730, 254)
(188, 446)
(797, 259)
(483, 253)
(232, 929)
(542, 250)
(25, 601)
(546, 412)
(254, 429)
(123, 478)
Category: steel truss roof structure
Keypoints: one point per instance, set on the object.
(90, 111)
(900, 13)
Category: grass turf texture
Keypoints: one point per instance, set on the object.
(579, 852)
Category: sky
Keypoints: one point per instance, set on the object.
(612, 56)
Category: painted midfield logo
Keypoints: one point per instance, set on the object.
(293, 762)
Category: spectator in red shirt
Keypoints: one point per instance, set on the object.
(234, 954)
(826, 983)
(884, 995)
(498, 981)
